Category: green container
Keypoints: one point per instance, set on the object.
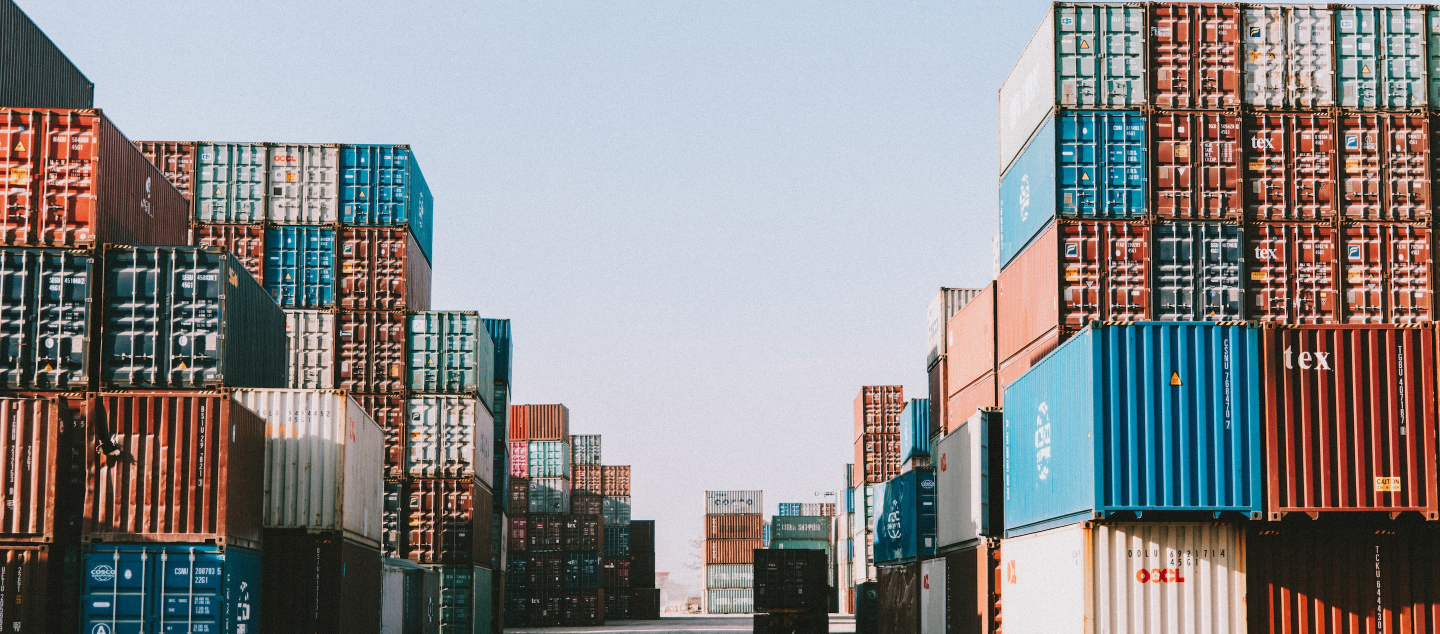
(800, 544)
(449, 353)
(800, 527)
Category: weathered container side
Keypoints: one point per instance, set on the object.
(311, 349)
(733, 525)
(1021, 320)
(450, 437)
(585, 450)
(41, 589)
(1194, 55)
(408, 598)
(176, 160)
(41, 468)
(371, 348)
(300, 266)
(615, 480)
(938, 312)
(382, 269)
(449, 521)
(152, 588)
(245, 242)
(1388, 273)
(46, 319)
(389, 413)
(320, 583)
(1197, 271)
(1289, 57)
(731, 551)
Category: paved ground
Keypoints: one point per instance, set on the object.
(687, 624)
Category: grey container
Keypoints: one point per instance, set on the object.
(45, 299)
(33, 71)
(187, 318)
(1197, 271)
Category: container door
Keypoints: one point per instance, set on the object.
(1387, 273)
(285, 167)
(118, 592)
(1293, 278)
(1360, 68)
(196, 317)
(134, 317)
(1144, 570)
(320, 195)
(932, 596)
(1403, 40)
(231, 182)
(1197, 272)
(1263, 33)
(1043, 580)
(1309, 51)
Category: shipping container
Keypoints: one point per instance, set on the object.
(1081, 166)
(381, 269)
(586, 503)
(388, 412)
(616, 510)
(733, 525)
(1294, 276)
(615, 480)
(942, 307)
(1085, 56)
(230, 182)
(585, 478)
(790, 623)
(878, 409)
(1291, 167)
(382, 186)
(499, 330)
(730, 601)
(1197, 158)
(585, 450)
(899, 598)
(539, 422)
(304, 183)
(645, 604)
(800, 544)
(800, 527)
(156, 587)
(1350, 419)
(549, 495)
(642, 568)
(409, 598)
(1194, 56)
(734, 502)
(867, 608)
(485, 616)
(915, 430)
(545, 533)
(461, 606)
(1198, 271)
(582, 533)
(300, 266)
(36, 73)
(187, 317)
(548, 459)
(1388, 273)
(1386, 162)
(159, 469)
(41, 588)
(970, 491)
(972, 590)
(245, 242)
(394, 519)
(616, 572)
(1034, 274)
(1090, 452)
(450, 437)
(324, 462)
(1289, 56)
(518, 500)
(617, 603)
(935, 414)
(45, 320)
(311, 338)
(791, 580)
(1119, 578)
(971, 335)
(877, 457)
(371, 349)
(449, 521)
(731, 551)
(642, 536)
(175, 160)
(904, 525)
(730, 576)
(1380, 57)
(517, 537)
(319, 583)
(40, 469)
(932, 596)
(581, 571)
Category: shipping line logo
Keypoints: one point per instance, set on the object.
(892, 520)
(1042, 442)
(1317, 361)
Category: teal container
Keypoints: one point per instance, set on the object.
(382, 186)
(450, 353)
(230, 183)
(170, 588)
(616, 510)
(463, 610)
(800, 544)
(548, 459)
(915, 429)
(785, 527)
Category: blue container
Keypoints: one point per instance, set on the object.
(499, 330)
(849, 500)
(765, 535)
(1081, 165)
(581, 571)
(147, 588)
(382, 186)
(617, 541)
(904, 525)
(1155, 416)
(789, 508)
(300, 266)
(915, 430)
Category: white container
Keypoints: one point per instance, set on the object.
(450, 437)
(1124, 578)
(942, 307)
(324, 462)
(932, 596)
(311, 363)
(1288, 56)
(731, 576)
(735, 601)
(734, 502)
(304, 184)
(401, 578)
(960, 500)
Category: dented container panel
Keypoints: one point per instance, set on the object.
(1388, 273)
(1386, 163)
(1294, 274)
(1197, 271)
(1291, 167)
(1197, 163)
(450, 437)
(304, 184)
(382, 269)
(1194, 56)
(230, 182)
(1289, 57)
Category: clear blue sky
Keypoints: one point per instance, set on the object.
(711, 222)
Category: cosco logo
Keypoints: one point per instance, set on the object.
(1159, 575)
(102, 573)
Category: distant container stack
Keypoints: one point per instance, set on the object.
(942, 308)
(734, 530)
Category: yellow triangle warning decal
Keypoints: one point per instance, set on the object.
(1174, 378)
(1084, 44)
(49, 368)
(1084, 176)
(287, 277)
(1365, 70)
(20, 146)
(182, 366)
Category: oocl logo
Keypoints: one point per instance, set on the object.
(1159, 575)
(1042, 442)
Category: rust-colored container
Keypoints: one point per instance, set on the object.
(1350, 420)
(518, 498)
(971, 342)
(1293, 273)
(615, 480)
(1197, 165)
(76, 181)
(877, 458)
(39, 588)
(517, 533)
(42, 459)
(1021, 362)
(1291, 167)
(176, 161)
(1024, 311)
(963, 404)
(585, 478)
(734, 526)
(1194, 55)
(449, 521)
(246, 242)
(731, 551)
(617, 572)
(583, 533)
(372, 352)
(382, 269)
(1389, 276)
(1385, 158)
(877, 409)
(545, 533)
(1305, 577)
(972, 589)
(540, 422)
(173, 467)
(1104, 272)
(519, 430)
(587, 504)
(389, 412)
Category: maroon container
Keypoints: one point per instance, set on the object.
(539, 422)
(1293, 273)
(389, 412)
(39, 588)
(734, 526)
(645, 604)
(617, 605)
(449, 521)
(517, 534)
(586, 478)
(1197, 165)
(1350, 419)
(1290, 167)
(382, 269)
(76, 181)
(1388, 273)
(519, 496)
(899, 604)
(616, 572)
(174, 467)
(319, 583)
(615, 480)
(246, 242)
(1386, 163)
(1194, 55)
(582, 533)
(42, 458)
(731, 551)
(587, 503)
(877, 458)
(176, 161)
(372, 352)
(545, 533)
(642, 536)
(545, 571)
(583, 608)
(1094, 271)
(874, 406)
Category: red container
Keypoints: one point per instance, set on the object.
(176, 161)
(582, 533)
(1197, 164)
(875, 409)
(321, 584)
(372, 352)
(517, 534)
(731, 551)
(246, 242)
(1290, 167)
(39, 588)
(389, 413)
(545, 533)
(1388, 273)
(519, 495)
(877, 458)
(616, 572)
(971, 342)
(734, 526)
(963, 404)
(1294, 274)
(1024, 311)
(586, 478)
(520, 460)
(1017, 365)
(539, 422)
(519, 423)
(159, 469)
(1386, 163)
(382, 269)
(449, 521)
(615, 480)
(586, 503)
(42, 442)
(1350, 419)
(1194, 56)
(76, 181)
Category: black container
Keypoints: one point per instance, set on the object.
(789, 579)
(867, 608)
(45, 319)
(645, 604)
(617, 604)
(582, 533)
(40, 587)
(642, 536)
(394, 519)
(545, 571)
(583, 607)
(320, 582)
(517, 572)
(581, 571)
(33, 71)
(899, 598)
(642, 570)
(792, 623)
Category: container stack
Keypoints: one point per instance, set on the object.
(644, 595)
(500, 336)
(619, 554)
(879, 410)
(733, 532)
(946, 303)
(810, 526)
(846, 535)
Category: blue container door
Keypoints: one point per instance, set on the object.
(300, 266)
(376, 184)
(1102, 172)
(177, 588)
(116, 593)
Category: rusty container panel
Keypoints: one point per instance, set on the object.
(615, 480)
(177, 467)
(1194, 55)
(734, 526)
(517, 533)
(587, 504)
(877, 457)
(1197, 165)
(372, 352)
(1293, 273)
(76, 181)
(389, 413)
(582, 533)
(1388, 273)
(382, 269)
(1021, 362)
(972, 590)
(39, 588)
(541, 422)
(731, 551)
(586, 478)
(245, 242)
(1024, 310)
(449, 521)
(963, 404)
(1290, 167)
(41, 469)
(970, 341)
(1105, 273)
(175, 160)
(519, 424)
(1386, 163)
(878, 408)
(1350, 419)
